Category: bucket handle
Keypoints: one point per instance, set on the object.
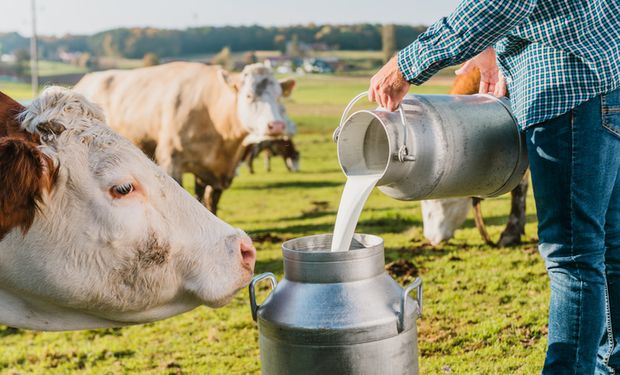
(417, 285)
(403, 152)
(253, 305)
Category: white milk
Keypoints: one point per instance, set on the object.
(356, 191)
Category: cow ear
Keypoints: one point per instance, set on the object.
(226, 78)
(25, 172)
(9, 110)
(48, 131)
(287, 87)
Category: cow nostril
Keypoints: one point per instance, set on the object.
(276, 127)
(248, 253)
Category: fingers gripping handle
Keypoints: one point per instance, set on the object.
(416, 285)
(403, 153)
(253, 305)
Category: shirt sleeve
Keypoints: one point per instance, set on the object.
(472, 27)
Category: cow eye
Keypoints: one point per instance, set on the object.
(121, 190)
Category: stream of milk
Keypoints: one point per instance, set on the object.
(355, 193)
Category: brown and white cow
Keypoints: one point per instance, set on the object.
(442, 217)
(192, 117)
(93, 233)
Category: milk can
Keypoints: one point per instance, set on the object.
(435, 146)
(337, 312)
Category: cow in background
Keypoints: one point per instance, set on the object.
(442, 217)
(93, 234)
(278, 147)
(193, 118)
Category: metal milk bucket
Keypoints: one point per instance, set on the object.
(337, 312)
(435, 146)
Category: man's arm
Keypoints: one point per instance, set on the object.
(472, 27)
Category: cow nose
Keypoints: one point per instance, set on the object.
(248, 253)
(276, 127)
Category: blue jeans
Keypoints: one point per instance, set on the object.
(575, 165)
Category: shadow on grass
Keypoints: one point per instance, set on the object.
(497, 220)
(295, 230)
(271, 265)
(291, 184)
(416, 252)
(391, 224)
(124, 354)
(10, 331)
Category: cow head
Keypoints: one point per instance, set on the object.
(286, 148)
(258, 101)
(442, 217)
(98, 235)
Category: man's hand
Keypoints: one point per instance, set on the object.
(491, 79)
(388, 87)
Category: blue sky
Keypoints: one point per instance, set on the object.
(57, 17)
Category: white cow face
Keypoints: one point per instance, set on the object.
(258, 102)
(116, 239)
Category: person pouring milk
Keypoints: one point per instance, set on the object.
(561, 63)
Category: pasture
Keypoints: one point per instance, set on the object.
(484, 310)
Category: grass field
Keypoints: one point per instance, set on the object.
(485, 308)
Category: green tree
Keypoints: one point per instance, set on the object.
(86, 60)
(223, 58)
(388, 41)
(150, 59)
(250, 58)
(22, 59)
(294, 49)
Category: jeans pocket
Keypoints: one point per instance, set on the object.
(610, 111)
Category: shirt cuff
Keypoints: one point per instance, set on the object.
(409, 65)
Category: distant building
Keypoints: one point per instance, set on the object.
(72, 58)
(8, 58)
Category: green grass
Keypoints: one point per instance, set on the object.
(485, 308)
(50, 68)
(16, 90)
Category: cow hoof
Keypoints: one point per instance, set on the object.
(508, 239)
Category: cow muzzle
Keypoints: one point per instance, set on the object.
(248, 254)
(276, 128)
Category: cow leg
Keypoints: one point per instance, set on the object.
(211, 198)
(248, 157)
(199, 188)
(268, 161)
(516, 221)
(250, 162)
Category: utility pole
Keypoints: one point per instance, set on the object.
(34, 55)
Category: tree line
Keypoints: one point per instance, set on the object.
(137, 42)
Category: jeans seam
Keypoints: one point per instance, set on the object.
(610, 334)
(572, 239)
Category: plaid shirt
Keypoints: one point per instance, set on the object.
(555, 54)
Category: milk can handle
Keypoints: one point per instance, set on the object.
(253, 305)
(403, 153)
(417, 285)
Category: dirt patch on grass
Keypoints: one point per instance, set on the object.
(402, 269)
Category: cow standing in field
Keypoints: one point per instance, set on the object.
(94, 234)
(191, 117)
(278, 147)
(442, 217)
